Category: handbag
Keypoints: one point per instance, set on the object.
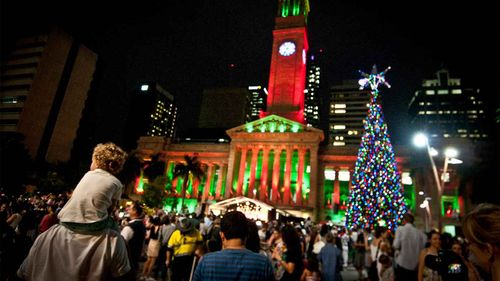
(372, 271)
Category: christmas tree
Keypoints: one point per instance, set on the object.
(376, 198)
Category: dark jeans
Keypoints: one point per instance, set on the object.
(403, 274)
(160, 268)
(181, 267)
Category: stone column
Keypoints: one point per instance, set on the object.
(253, 170)
(222, 175)
(300, 177)
(276, 174)
(230, 170)
(241, 174)
(263, 196)
(288, 172)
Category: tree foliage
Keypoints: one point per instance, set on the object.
(188, 170)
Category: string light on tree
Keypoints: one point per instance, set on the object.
(376, 198)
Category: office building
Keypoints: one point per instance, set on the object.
(258, 101)
(312, 93)
(347, 112)
(444, 108)
(153, 112)
(44, 84)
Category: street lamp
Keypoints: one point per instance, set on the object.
(425, 205)
(421, 140)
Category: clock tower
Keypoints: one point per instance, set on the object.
(288, 61)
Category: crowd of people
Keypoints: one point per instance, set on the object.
(82, 236)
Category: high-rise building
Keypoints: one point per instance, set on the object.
(45, 82)
(348, 109)
(258, 101)
(153, 112)
(444, 108)
(312, 93)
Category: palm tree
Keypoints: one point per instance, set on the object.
(191, 168)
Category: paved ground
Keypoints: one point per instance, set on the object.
(348, 274)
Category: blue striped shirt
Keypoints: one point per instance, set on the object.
(234, 264)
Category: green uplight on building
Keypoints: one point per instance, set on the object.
(249, 128)
(282, 128)
(272, 127)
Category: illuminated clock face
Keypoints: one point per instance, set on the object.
(287, 48)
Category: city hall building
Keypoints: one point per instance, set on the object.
(277, 159)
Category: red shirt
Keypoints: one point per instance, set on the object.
(47, 221)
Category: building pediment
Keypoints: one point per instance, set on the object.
(273, 126)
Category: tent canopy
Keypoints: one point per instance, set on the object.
(252, 208)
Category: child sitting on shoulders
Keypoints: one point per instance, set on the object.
(97, 193)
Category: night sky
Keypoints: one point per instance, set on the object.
(191, 45)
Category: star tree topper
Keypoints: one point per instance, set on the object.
(374, 79)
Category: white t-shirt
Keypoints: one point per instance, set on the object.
(91, 198)
(62, 254)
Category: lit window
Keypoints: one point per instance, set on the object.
(329, 174)
(344, 175)
(430, 92)
(340, 105)
(406, 178)
(339, 127)
(338, 143)
(144, 88)
(340, 111)
(456, 91)
(442, 92)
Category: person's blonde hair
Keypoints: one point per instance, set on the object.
(109, 157)
(482, 225)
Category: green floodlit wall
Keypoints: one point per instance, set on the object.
(293, 8)
(327, 191)
(409, 195)
(306, 186)
(215, 178)
(174, 204)
(270, 162)
(258, 174)
(282, 173)
(449, 201)
(337, 214)
(294, 174)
